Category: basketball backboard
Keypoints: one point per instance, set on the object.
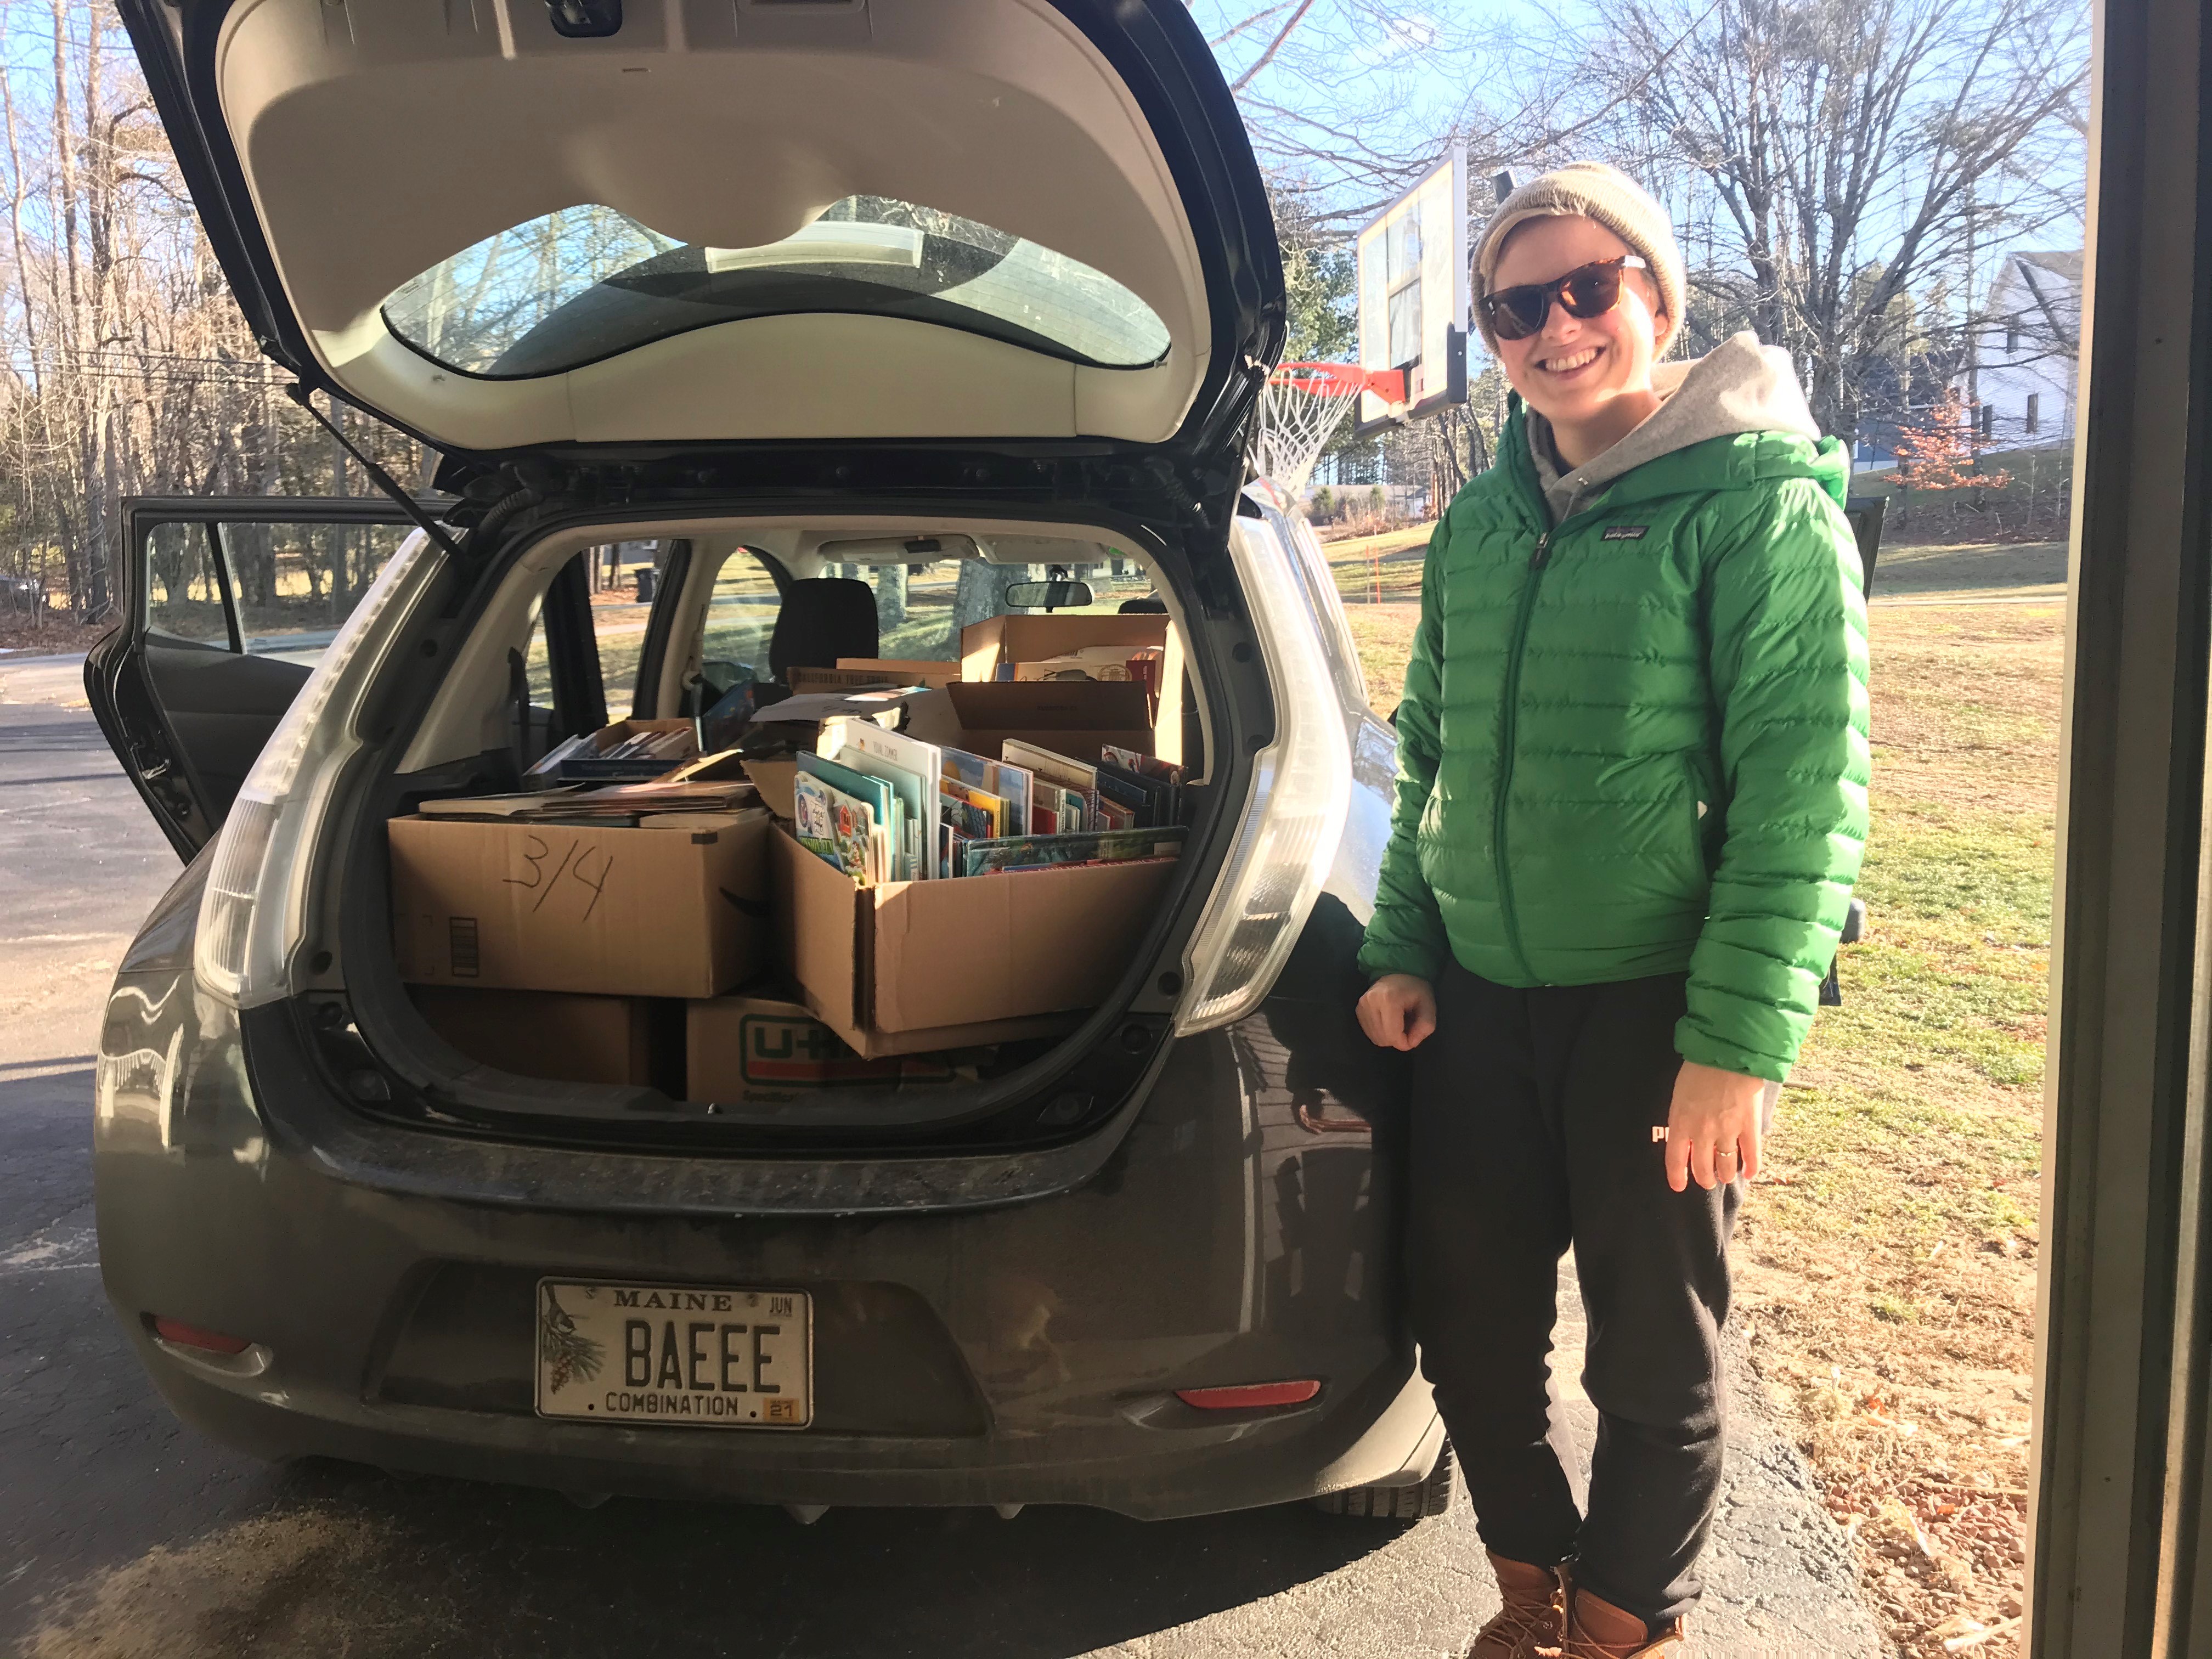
(1413, 295)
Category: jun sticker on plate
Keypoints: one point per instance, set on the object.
(689, 1356)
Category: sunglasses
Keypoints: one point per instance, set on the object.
(1591, 290)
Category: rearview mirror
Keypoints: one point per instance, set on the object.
(1047, 596)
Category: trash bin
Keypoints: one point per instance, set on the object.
(1866, 513)
(648, 581)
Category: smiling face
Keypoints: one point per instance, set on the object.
(1580, 373)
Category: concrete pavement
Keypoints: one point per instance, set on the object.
(122, 1534)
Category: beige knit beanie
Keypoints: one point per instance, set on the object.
(1614, 200)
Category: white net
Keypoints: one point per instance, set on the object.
(1300, 409)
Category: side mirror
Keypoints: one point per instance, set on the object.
(1047, 596)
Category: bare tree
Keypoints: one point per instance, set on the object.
(127, 369)
(1831, 155)
(1349, 102)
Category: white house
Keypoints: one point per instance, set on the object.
(2023, 378)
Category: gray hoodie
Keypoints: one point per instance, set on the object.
(1740, 386)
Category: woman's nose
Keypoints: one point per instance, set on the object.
(1559, 323)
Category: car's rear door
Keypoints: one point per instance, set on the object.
(228, 601)
(1069, 243)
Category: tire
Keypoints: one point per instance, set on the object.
(1431, 1496)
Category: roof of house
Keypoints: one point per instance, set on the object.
(2053, 282)
(2065, 264)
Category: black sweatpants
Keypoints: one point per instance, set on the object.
(1532, 1129)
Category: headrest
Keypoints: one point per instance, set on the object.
(823, 619)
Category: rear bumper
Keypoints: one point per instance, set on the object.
(1378, 1433)
(1025, 1353)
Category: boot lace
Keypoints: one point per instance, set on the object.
(1521, 1625)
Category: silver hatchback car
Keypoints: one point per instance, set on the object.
(938, 290)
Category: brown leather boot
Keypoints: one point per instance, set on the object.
(1533, 1615)
(1598, 1630)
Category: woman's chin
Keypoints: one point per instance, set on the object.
(1570, 405)
(1563, 405)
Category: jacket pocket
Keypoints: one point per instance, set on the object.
(1701, 816)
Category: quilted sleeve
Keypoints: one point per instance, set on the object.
(1406, 935)
(1789, 668)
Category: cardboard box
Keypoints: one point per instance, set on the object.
(776, 780)
(906, 670)
(1090, 662)
(760, 1050)
(546, 1033)
(1071, 717)
(677, 907)
(913, 966)
(854, 673)
(1012, 640)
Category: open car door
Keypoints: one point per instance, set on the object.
(228, 602)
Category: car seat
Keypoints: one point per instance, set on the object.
(822, 619)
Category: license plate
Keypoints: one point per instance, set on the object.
(689, 1356)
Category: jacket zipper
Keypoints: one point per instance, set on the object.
(1537, 561)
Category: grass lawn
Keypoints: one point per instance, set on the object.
(1886, 1263)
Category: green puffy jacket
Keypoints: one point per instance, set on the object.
(1636, 743)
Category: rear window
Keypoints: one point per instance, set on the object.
(587, 282)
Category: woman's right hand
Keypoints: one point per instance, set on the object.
(1398, 1012)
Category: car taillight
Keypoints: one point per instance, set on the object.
(1294, 815)
(253, 914)
(1249, 1396)
(192, 1336)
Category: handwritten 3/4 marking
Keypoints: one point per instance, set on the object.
(575, 864)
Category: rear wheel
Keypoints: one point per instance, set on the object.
(1431, 1496)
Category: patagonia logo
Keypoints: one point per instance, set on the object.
(1624, 532)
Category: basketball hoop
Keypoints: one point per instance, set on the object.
(1301, 406)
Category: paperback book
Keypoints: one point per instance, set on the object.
(1018, 853)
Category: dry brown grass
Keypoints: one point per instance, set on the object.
(1885, 1268)
(1903, 571)
(57, 636)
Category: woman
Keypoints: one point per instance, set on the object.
(1630, 803)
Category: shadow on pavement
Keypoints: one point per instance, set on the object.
(345, 1559)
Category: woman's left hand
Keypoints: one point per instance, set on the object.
(1712, 1128)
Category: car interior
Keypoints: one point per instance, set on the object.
(742, 615)
(748, 605)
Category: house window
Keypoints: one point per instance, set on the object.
(1989, 422)
(2035, 410)
(2012, 340)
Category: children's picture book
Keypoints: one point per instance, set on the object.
(1162, 780)
(835, 827)
(910, 767)
(1014, 852)
(1015, 785)
(1150, 765)
(883, 801)
(971, 812)
(1056, 810)
(1118, 786)
(725, 722)
(1062, 771)
(1154, 799)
